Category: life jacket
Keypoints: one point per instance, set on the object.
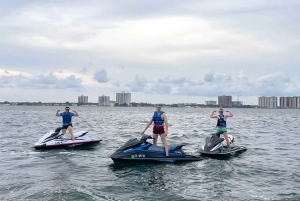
(67, 118)
(158, 119)
(221, 121)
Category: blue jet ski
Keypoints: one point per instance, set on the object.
(135, 150)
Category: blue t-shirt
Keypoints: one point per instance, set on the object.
(67, 117)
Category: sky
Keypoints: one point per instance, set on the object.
(159, 51)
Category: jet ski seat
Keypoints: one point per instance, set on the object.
(171, 147)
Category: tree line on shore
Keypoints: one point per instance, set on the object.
(133, 104)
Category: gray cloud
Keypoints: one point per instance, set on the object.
(272, 84)
(83, 70)
(209, 77)
(137, 85)
(41, 82)
(101, 76)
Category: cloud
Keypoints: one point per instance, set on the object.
(209, 77)
(161, 86)
(101, 76)
(173, 47)
(83, 70)
(49, 81)
(137, 85)
(220, 84)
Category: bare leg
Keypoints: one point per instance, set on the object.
(227, 140)
(70, 129)
(64, 131)
(155, 138)
(164, 141)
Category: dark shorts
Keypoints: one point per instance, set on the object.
(66, 126)
(158, 129)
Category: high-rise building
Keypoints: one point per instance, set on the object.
(104, 100)
(83, 99)
(267, 102)
(123, 98)
(225, 101)
(289, 102)
(210, 102)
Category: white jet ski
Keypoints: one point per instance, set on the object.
(57, 140)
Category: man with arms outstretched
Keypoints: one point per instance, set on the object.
(67, 120)
(160, 127)
(221, 123)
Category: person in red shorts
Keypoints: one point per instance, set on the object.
(160, 127)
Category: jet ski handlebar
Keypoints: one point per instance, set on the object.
(218, 133)
(145, 137)
(57, 130)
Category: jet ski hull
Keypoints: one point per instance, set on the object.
(56, 139)
(146, 158)
(223, 153)
(67, 144)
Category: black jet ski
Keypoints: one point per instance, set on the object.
(216, 147)
(55, 139)
(135, 150)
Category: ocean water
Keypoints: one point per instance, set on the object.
(268, 170)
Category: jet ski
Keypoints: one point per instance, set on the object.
(216, 147)
(58, 140)
(135, 150)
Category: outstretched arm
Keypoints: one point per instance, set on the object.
(75, 113)
(147, 126)
(212, 115)
(230, 114)
(57, 113)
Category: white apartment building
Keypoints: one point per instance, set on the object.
(104, 100)
(83, 99)
(225, 101)
(267, 102)
(123, 98)
(289, 102)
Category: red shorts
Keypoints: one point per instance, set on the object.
(158, 129)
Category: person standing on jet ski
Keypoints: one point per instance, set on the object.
(160, 122)
(221, 123)
(67, 121)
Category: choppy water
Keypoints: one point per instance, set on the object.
(269, 170)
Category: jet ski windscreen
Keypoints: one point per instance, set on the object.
(130, 143)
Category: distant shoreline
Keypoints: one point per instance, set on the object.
(152, 105)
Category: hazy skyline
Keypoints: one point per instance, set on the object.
(160, 51)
